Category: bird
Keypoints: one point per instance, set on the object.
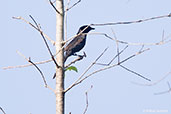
(78, 42)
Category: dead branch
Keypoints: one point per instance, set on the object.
(2, 110)
(42, 75)
(168, 91)
(131, 22)
(113, 57)
(27, 65)
(38, 70)
(51, 3)
(141, 51)
(86, 70)
(118, 53)
(81, 79)
(86, 93)
(29, 60)
(46, 36)
(117, 45)
(41, 33)
(65, 19)
(33, 64)
(134, 72)
(73, 5)
(154, 83)
(163, 41)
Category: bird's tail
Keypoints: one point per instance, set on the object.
(65, 58)
(66, 55)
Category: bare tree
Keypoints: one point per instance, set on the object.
(60, 43)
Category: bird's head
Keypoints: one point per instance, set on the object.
(85, 29)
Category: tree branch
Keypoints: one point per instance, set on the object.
(2, 110)
(73, 5)
(154, 83)
(41, 33)
(51, 3)
(39, 71)
(163, 41)
(43, 77)
(113, 57)
(86, 70)
(77, 59)
(131, 22)
(169, 90)
(27, 65)
(134, 72)
(81, 79)
(86, 93)
(21, 18)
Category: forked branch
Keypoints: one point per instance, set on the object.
(46, 36)
(41, 73)
(83, 78)
(41, 33)
(51, 3)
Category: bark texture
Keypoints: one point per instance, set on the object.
(59, 58)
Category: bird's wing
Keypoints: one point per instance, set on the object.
(74, 42)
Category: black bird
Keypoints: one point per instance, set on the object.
(78, 42)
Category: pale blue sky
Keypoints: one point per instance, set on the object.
(22, 90)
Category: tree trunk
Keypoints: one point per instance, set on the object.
(59, 58)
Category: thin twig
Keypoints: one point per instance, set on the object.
(102, 69)
(154, 83)
(117, 45)
(113, 57)
(87, 103)
(27, 65)
(163, 36)
(65, 19)
(29, 60)
(134, 55)
(169, 90)
(21, 18)
(41, 33)
(51, 3)
(19, 53)
(2, 110)
(131, 22)
(73, 5)
(135, 73)
(142, 48)
(132, 43)
(86, 70)
(168, 85)
(44, 80)
(43, 77)
(41, 73)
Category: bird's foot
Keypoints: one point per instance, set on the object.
(81, 56)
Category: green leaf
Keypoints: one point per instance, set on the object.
(72, 68)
